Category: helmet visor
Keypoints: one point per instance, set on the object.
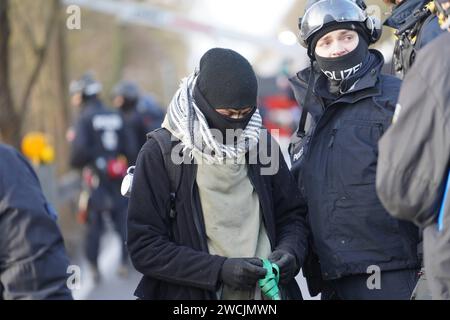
(325, 11)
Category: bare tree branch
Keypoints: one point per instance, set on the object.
(27, 30)
(7, 111)
(53, 19)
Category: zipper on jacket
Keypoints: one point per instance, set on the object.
(380, 127)
(196, 213)
(333, 134)
(313, 133)
(200, 231)
(250, 177)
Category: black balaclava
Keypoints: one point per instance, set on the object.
(225, 80)
(89, 99)
(343, 67)
(128, 105)
(217, 120)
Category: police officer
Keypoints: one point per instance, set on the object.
(100, 146)
(363, 252)
(415, 153)
(33, 260)
(416, 26)
(140, 116)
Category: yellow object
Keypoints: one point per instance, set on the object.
(47, 154)
(36, 147)
(431, 7)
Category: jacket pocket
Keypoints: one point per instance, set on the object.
(355, 153)
(363, 224)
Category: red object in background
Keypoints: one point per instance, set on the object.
(82, 216)
(88, 177)
(117, 168)
(279, 103)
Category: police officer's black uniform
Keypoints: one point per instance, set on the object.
(101, 145)
(335, 159)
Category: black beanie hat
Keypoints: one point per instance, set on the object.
(227, 80)
(332, 26)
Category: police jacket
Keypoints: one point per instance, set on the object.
(33, 260)
(335, 167)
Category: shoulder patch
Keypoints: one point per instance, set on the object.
(298, 155)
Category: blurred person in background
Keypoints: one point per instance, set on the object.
(33, 259)
(101, 147)
(141, 116)
(416, 25)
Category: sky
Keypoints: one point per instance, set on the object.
(261, 19)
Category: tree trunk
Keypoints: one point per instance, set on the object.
(64, 114)
(8, 116)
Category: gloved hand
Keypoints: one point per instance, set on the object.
(287, 264)
(242, 273)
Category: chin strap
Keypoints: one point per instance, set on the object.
(301, 126)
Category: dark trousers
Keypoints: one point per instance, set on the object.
(96, 225)
(394, 285)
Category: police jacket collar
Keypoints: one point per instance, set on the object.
(366, 86)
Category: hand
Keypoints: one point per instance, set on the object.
(287, 264)
(70, 134)
(242, 273)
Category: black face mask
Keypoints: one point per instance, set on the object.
(343, 67)
(128, 105)
(216, 120)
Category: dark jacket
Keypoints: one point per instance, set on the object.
(179, 266)
(335, 166)
(101, 136)
(100, 133)
(404, 13)
(422, 28)
(139, 123)
(415, 155)
(33, 260)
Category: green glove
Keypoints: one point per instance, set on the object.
(269, 284)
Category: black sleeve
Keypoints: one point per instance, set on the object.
(414, 152)
(151, 251)
(290, 210)
(129, 145)
(81, 149)
(430, 31)
(33, 261)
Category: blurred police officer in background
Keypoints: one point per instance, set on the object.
(140, 114)
(101, 146)
(415, 26)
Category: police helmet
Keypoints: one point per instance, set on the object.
(322, 13)
(86, 85)
(127, 89)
